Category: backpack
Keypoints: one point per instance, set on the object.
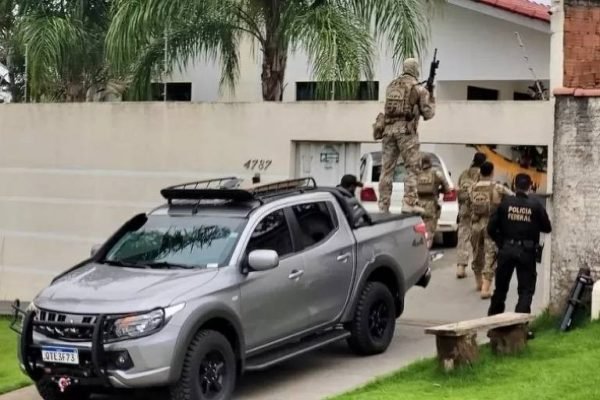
(465, 182)
(426, 183)
(482, 197)
(400, 99)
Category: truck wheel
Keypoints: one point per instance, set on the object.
(374, 320)
(209, 369)
(48, 390)
(450, 239)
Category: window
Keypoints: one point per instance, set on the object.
(477, 93)
(176, 91)
(315, 222)
(272, 233)
(366, 91)
(522, 96)
(196, 242)
(399, 173)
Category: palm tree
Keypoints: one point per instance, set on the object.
(10, 56)
(338, 36)
(64, 41)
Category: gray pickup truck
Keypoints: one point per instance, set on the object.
(219, 281)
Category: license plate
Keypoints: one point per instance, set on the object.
(60, 355)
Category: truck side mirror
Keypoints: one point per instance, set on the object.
(263, 260)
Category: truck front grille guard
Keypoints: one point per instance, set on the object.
(27, 348)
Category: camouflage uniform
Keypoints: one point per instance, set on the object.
(429, 182)
(467, 179)
(406, 101)
(484, 198)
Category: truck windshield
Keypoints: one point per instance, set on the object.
(178, 242)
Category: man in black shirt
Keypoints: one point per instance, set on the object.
(350, 183)
(516, 227)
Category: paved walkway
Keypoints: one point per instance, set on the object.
(335, 369)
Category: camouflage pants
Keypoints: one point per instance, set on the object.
(484, 250)
(464, 248)
(396, 142)
(431, 216)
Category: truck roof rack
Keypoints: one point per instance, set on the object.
(228, 189)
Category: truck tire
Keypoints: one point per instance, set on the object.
(374, 320)
(209, 369)
(48, 390)
(450, 239)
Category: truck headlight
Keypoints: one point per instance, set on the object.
(139, 325)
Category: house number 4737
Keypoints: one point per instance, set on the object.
(261, 165)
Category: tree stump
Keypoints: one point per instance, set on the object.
(454, 351)
(509, 339)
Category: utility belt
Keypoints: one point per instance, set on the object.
(404, 118)
(529, 245)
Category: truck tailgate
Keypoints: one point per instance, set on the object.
(394, 235)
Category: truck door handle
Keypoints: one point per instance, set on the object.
(343, 257)
(295, 274)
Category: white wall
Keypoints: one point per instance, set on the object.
(471, 46)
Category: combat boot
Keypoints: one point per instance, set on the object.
(478, 281)
(461, 271)
(486, 291)
(412, 209)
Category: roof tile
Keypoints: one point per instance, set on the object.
(526, 8)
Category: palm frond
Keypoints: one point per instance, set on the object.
(211, 29)
(189, 42)
(402, 24)
(54, 48)
(338, 45)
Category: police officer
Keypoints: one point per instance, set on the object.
(516, 227)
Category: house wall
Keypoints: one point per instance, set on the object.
(576, 147)
(472, 45)
(70, 174)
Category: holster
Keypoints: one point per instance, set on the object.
(539, 250)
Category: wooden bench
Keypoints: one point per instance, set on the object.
(456, 343)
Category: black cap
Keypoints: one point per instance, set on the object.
(523, 182)
(350, 180)
(479, 159)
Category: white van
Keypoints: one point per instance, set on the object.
(370, 170)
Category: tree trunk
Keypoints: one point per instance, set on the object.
(273, 72)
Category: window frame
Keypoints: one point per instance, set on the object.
(297, 230)
(294, 252)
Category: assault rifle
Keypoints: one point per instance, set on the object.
(435, 64)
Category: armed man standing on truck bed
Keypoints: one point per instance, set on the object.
(429, 182)
(406, 101)
(484, 198)
(515, 227)
(466, 180)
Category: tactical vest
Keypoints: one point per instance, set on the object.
(466, 181)
(426, 183)
(401, 99)
(482, 199)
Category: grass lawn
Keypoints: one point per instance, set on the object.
(555, 366)
(11, 377)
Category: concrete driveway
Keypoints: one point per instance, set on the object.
(335, 369)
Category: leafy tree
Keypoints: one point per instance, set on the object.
(338, 36)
